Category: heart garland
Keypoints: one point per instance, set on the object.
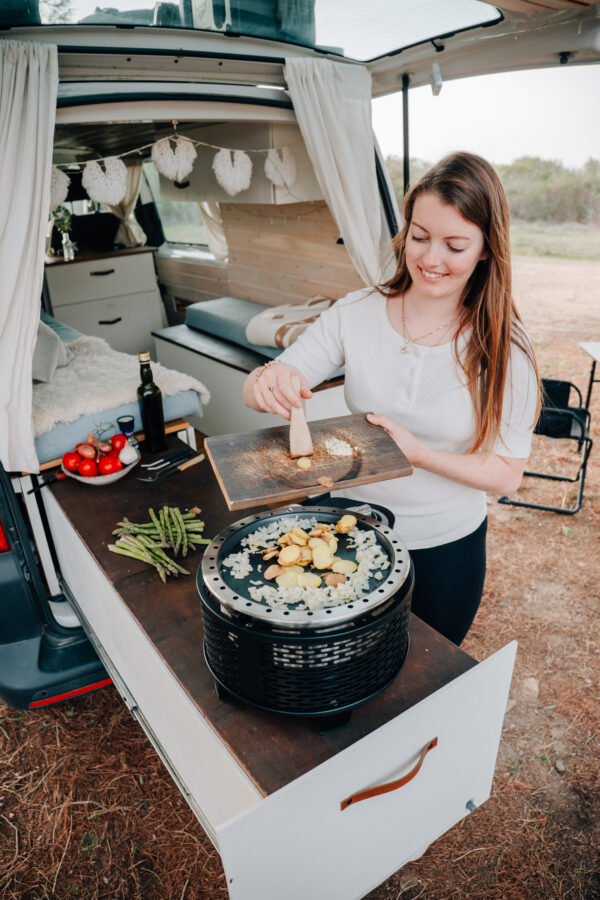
(108, 186)
(232, 174)
(175, 164)
(281, 169)
(59, 187)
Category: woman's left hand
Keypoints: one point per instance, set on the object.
(413, 449)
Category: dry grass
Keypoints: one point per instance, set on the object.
(87, 810)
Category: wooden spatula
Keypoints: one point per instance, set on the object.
(300, 439)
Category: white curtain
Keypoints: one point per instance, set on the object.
(332, 103)
(130, 232)
(215, 233)
(28, 89)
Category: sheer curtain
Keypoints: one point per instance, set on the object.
(332, 103)
(130, 232)
(28, 88)
(215, 233)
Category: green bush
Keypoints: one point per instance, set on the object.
(538, 190)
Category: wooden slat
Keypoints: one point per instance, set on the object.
(534, 7)
(288, 285)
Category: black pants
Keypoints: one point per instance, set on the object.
(449, 584)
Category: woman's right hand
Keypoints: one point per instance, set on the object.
(270, 389)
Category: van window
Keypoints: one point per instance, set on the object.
(182, 221)
(349, 28)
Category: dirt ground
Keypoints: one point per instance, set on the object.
(87, 809)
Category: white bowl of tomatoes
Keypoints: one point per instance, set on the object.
(99, 462)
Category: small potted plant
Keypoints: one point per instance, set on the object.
(62, 222)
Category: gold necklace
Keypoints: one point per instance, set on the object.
(409, 340)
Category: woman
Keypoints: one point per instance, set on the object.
(438, 358)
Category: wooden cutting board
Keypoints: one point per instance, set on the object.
(255, 467)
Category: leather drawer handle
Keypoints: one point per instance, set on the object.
(103, 272)
(391, 785)
(110, 321)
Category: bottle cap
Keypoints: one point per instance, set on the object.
(144, 356)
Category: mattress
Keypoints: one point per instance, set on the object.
(63, 436)
(227, 318)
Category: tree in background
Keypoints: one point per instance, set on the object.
(56, 12)
(538, 190)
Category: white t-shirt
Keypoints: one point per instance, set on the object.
(424, 391)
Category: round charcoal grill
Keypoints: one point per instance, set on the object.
(302, 662)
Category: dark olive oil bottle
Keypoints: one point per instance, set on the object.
(151, 408)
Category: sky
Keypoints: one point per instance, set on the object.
(552, 113)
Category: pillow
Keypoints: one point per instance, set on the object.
(280, 326)
(50, 353)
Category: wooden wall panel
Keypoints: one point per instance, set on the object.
(277, 254)
(286, 253)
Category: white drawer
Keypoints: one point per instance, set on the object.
(79, 282)
(298, 842)
(125, 323)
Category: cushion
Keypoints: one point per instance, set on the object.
(65, 332)
(227, 318)
(49, 353)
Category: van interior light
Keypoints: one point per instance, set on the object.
(436, 79)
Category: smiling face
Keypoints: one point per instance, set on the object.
(442, 249)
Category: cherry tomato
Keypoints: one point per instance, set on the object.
(86, 450)
(118, 441)
(88, 468)
(71, 461)
(109, 464)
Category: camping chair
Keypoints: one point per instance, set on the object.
(559, 420)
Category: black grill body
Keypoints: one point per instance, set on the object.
(307, 672)
(320, 663)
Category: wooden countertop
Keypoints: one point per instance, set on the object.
(90, 257)
(273, 749)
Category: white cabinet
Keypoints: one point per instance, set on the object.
(114, 297)
(288, 835)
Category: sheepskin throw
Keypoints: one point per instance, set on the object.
(280, 326)
(99, 378)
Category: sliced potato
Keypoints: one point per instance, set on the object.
(309, 579)
(304, 462)
(332, 579)
(331, 541)
(289, 555)
(300, 532)
(270, 554)
(344, 566)
(305, 554)
(322, 557)
(284, 540)
(317, 542)
(345, 524)
(273, 571)
(296, 539)
(288, 579)
(325, 481)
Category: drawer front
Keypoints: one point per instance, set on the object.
(300, 843)
(125, 323)
(78, 282)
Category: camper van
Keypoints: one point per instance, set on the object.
(174, 171)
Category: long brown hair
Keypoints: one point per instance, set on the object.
(471, 185)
